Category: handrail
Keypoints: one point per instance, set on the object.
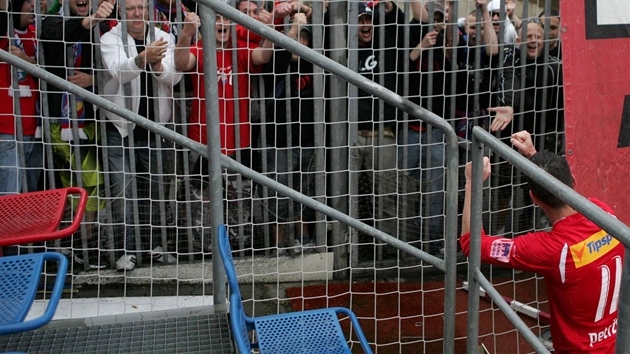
(578, 202)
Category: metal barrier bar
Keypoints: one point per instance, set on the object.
(518, 323)
(623, 315)
(474, 258)
(213, 150)
(317, 44)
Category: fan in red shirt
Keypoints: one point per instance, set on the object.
(22, 44)
(581, 263)
(281, 9)
(188, 58)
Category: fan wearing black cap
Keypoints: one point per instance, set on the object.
(22, 44)
(374, 148)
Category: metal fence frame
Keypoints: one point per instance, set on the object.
(217, 160)
(449, 265)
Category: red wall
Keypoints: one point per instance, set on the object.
(597, 80)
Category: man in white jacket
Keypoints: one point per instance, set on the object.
(139, 75)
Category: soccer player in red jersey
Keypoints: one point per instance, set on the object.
(581, 263)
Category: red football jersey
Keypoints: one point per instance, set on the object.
(582, 266)
(225, 77)
(28, 86)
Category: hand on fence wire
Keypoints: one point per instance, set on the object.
(481, 3)
(191, 23)
(283, 9)
(299, 20)
(154, 53)
(104, 10)
(486, 170)
(265, 17)
(503, 118)
(429, 40)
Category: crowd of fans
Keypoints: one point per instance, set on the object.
(488, 68)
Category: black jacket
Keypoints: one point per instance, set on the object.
(534, 90)
(289, 104)
(380, 65)
(57, 36)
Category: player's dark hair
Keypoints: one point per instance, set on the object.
(556, 166)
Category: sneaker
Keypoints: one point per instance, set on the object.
(78, 260)
(281, 252)
(159, 256)
(297, 247)
(196, 193)
(126, 263)
(91, 265)
(199, 246)
(170, 219)
(309, 247)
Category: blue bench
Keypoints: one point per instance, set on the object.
(312, 331)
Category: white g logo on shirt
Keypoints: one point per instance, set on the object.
(370, 63)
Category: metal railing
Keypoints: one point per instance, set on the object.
(578, 202)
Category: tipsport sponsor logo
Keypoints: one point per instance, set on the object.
(592, 248)
(605, 333)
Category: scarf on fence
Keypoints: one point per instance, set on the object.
(66, 99)
(164, 15)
